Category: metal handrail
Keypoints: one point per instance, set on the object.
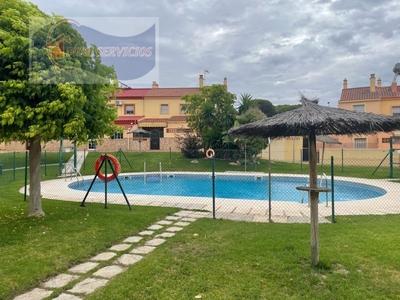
(73, 171)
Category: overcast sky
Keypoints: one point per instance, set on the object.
(270, 49)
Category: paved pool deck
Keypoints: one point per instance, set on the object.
(244, 210)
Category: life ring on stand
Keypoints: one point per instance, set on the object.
(210, 153)
(114, 160)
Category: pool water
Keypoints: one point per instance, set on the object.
(230, 187)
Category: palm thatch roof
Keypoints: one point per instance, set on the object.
(324, 120)
(312, 120)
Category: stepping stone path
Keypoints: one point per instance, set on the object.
(87, 277)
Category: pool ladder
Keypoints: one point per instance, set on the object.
(322, 177)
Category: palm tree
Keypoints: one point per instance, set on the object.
(245, 103)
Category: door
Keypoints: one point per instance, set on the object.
(154, 140)
(305, 149)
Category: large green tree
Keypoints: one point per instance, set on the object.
(44, 96)
(210, 113)
(265, 106)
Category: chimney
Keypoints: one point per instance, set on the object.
(154, 85)
(379, 82)
(372, 83)
(201, 81)
(226, 83)
(394, 87)
(345, 83)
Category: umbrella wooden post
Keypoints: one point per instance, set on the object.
(314, 199)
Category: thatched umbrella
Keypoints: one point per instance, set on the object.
(310, 120)
(141, 132)
(325, 139)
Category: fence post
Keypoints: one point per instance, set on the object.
(75, 154)
(26, 173)
(84, 159)
(391, 157)
(213, 184)
(45, 163)
(14, 166)
(333, 190)
(342, 160)
(60, 158)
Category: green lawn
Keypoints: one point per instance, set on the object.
(359, 255)
(360, 259)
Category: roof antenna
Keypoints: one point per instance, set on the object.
(205, 72)
(121, 84)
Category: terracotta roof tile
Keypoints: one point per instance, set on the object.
(172, 92)
(178, 118)
(127, 120)
(131, 93)
(364, 93)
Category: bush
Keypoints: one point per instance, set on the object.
(191, 145)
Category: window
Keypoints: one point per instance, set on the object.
(182, 111)
(360, 143)
(396, 111)
(92, 145)
(129, 109)
(359, 108)
(164, 109)
(117, 136)
(395, 140)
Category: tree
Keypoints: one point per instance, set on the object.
(210, 113)
(245, 103)
(42, 99)
(253, 143)
(285, 107)
(265, 106)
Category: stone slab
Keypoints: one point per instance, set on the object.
(35, 294)
(188, 219)
(173, 218)
(104, 256)
(87, 286)
(109, 271)
(164, 222)
(155, 242)
(165, 235)
(143, 250)
(60, 281)
(146, 232)
(83, 268)
(155, 227)
(174, 229)
(128, 259)
(120, 247)
(183, 224)
(133, 239)
(67, 297)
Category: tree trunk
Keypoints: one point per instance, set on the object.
(313, 199)
(35, 197)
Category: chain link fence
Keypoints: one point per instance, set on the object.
(233, 184)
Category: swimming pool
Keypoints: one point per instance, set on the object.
(229, 187)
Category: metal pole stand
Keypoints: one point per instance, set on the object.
(106, 160)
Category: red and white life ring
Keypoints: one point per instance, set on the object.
(114, 160)
(210, 153)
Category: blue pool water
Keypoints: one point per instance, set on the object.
(230, 186)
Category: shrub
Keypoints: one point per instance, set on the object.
(191, 145)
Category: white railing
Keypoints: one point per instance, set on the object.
(322, 177)
(71, 171)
